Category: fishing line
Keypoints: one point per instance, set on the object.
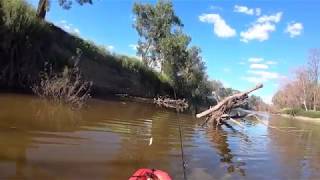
(182, 152)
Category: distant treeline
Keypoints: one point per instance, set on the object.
(303, 90)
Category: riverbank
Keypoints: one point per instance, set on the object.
(29, 45)
(300, 118)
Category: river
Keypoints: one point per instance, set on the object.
(111, 139)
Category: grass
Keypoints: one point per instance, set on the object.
(301, 112)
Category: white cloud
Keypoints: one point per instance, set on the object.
(259, 72)
(246, 10)
(221, 28)
(259, 60)
(133, 46)
(259, 66)
(261, 29)
(258, 32)
(258, 11)
(68, 27)
(272, 18)
(264, 75)
(243, 9)
(271, 62)
(294, 29)
(255, 60)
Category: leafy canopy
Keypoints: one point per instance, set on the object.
(154, 23)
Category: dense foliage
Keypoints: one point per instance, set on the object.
(153, 24)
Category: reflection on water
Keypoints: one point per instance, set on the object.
(110, 140)
(220, 141)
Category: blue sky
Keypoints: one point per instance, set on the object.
(242, 42)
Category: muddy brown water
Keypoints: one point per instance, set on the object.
(110, 140)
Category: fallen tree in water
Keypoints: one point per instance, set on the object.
(179, 104)
(221, 112)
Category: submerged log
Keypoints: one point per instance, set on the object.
(221, 111)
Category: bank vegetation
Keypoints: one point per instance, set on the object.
(301, 94)
(166, 63)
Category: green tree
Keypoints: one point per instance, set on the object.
(153, 24)
(44, 5)
(195, 75)
(163, 44)
(185, 67)
(174, 52)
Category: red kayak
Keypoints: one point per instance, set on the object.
(150, 174)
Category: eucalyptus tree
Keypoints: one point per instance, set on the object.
(195, 75)
(153, 24)
(174, 51)
(162, 43)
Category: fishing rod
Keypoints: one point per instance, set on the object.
(184, 164)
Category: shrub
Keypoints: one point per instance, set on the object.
(67, 87)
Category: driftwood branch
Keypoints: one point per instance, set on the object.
(222, 109)
(179, 104)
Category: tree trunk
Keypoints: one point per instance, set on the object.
(229, 102)
(314, 100)
(42, 9)
(305, 105)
